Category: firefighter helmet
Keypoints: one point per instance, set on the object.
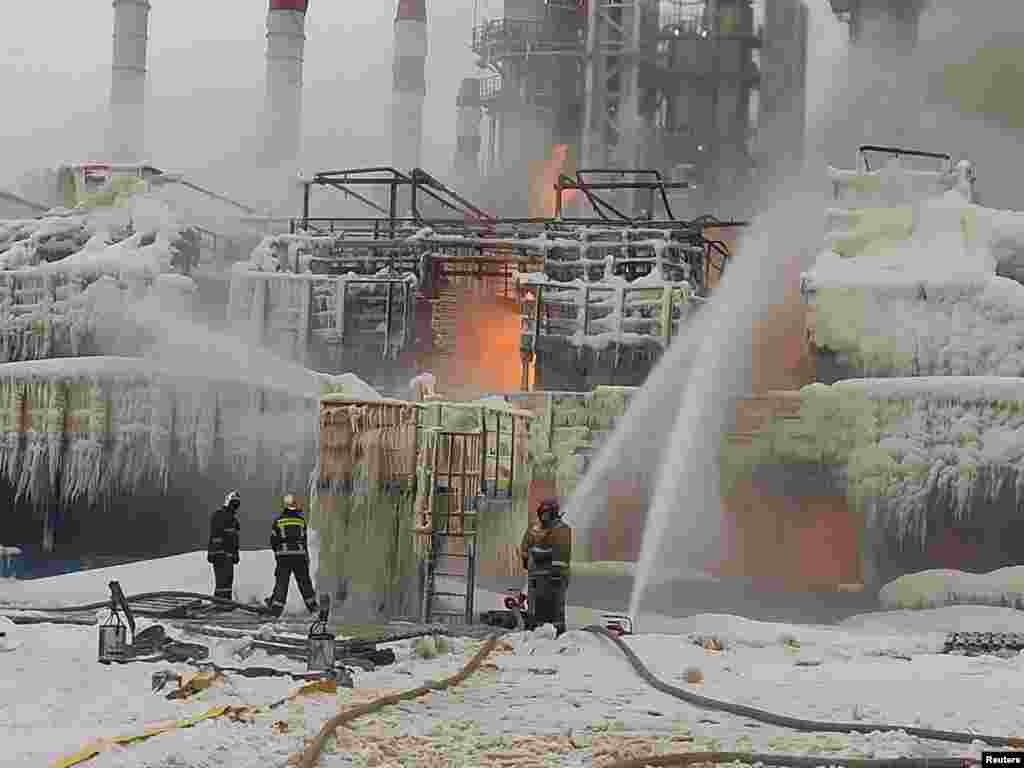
(233, 499)
(291, 503)
(549, 509)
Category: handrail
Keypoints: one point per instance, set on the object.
(899, 152)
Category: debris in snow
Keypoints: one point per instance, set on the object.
(425, 648)
(544, 632)
(163, 677)
(9, 640)
(787, 640)
(197, 683)
(709, 642)
(693, 675)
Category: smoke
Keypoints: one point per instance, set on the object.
(206, 87)
(931, 99)
(668, 443)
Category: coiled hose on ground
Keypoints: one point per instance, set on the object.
(310, 755)
(786, 721)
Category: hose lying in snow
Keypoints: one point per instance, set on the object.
(790, 761)
(308, 757)
(795, 723)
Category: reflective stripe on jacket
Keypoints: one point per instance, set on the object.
(288, 536)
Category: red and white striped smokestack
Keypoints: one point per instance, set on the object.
(286, 43)
(410, 85)
(126, 131)
(469, 115)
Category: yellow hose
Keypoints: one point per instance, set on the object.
(309, 756)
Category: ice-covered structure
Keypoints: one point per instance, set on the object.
(598, 299)
(606, 303)
(280, 299)
(391, 473)
(914, 429)
(56, 271)
(179, 412)
(909, 250)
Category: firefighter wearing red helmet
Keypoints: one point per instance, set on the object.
(546, 552)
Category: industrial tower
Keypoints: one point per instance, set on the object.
(623, 84)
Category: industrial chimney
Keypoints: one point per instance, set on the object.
(467, 129)
(286, 42)
(410, 85)
(126, 132)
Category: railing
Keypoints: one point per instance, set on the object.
(504, 36)
(286, 312)
(603, 313)
(491, 88)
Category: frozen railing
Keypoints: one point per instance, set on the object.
(290, 312)
(629, 254)
(599, 314)
(899, 181)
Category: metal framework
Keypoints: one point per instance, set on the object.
(476, 244)
(612, 123)
(629, 83)
(864, 150)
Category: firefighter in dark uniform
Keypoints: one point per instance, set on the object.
(222, 551)
(546, 552)
(291, 551)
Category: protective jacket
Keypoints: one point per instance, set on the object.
(288, 535)
(224, 534)
(547, 550)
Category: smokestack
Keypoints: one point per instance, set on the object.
(126, 133)
(410, 85)
(469, 115)
(286, 43)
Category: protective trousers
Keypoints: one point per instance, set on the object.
(546, 600)
(286, 566)
(223, 576)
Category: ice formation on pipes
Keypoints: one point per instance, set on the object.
(912, 451)
(95, 427)
(922, 262)
(51, 269)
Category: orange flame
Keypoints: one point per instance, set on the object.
(485, 351)
(544, 178)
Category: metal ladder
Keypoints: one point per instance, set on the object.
(453, 547)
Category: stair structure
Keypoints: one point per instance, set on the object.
(451, 558)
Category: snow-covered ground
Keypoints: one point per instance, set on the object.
(574, 699)
(254, 580)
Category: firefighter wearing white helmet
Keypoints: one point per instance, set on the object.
(288, 539)
(222, 549)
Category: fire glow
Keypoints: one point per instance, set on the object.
(542, 198)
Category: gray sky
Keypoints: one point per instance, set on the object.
(206, 80)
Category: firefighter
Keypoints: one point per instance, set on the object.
(222, 551)
(546, 552)
(291, 551)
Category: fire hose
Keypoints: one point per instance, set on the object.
(308, 757)
(793, 723)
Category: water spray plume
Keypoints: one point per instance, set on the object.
(667, 443)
